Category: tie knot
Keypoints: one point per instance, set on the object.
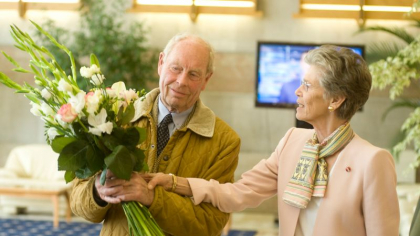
(166, 120)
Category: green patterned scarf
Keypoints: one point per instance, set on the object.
(311, 177)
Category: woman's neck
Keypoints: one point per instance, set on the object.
(325, 130)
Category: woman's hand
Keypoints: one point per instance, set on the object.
(181, 186)
(158, 179)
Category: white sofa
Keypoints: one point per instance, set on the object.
(29, 179)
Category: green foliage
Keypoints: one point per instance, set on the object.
(118, 45)
(399, 72)
(384, 49)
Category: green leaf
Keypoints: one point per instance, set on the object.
(138, 160)
(59, 143)
(120, 162)
(94, 60)
(74, 155)
(78, 129)
(111, 141)
(9, 58)
(95, 162)
(4, 79)
(30, 96)
(131, 137)
(128, 114)
(84, 173)
(69, 176)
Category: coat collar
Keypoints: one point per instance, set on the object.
(202, 121)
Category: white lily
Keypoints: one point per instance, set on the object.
(99, 123)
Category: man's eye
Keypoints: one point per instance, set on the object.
(175, 68)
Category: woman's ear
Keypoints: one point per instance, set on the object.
(337, 101)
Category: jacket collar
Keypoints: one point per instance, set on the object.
(202, 122)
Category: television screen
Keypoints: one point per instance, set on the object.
(280, 68)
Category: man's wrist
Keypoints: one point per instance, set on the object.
(97, 198)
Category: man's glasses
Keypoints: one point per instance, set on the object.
(305, 84)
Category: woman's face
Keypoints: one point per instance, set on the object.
(312, 107)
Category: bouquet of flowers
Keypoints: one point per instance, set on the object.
(92, 131)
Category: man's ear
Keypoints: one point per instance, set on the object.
(160, 63)
(206, 80)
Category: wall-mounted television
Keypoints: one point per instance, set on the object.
(280, 70)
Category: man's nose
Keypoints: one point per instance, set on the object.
(182, 78)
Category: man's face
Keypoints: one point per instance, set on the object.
(183, 75)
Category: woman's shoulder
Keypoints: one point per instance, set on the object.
(359, 147)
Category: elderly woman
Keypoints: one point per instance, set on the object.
(329, 180)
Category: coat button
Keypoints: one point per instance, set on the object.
(165, 158)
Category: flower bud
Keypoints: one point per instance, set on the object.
(97, 79)
(52, 133)
(46, 109)
(35, 109)
(46, 94)
(64, 86)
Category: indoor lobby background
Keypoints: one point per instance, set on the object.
(231, 90)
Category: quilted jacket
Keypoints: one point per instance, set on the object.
(206, 147)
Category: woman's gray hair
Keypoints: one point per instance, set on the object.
(342, 73)
(182, 36)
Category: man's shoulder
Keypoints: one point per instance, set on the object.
(222, 127)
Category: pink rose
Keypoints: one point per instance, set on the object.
(67, 113)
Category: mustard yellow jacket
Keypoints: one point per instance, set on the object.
(204, 148)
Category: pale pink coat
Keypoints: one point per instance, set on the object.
(359, 201)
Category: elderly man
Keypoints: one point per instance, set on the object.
(200, 145)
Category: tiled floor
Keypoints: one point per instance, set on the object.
(263, 223)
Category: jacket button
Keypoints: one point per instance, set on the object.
(165, 158)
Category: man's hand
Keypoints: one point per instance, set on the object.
(118, 190)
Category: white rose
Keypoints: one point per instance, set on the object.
(45, 94)
(92, 101)
(111, 93)
(130, 95)
(78, 101)
(64, 86)
(97, 79)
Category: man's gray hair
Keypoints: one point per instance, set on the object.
(182, 36)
